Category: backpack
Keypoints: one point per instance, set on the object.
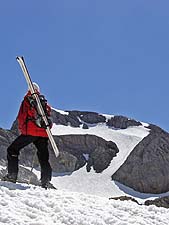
(37, 119)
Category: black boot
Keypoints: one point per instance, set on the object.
(47, 185)
(10, 177)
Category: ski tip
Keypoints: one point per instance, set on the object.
(19, 57)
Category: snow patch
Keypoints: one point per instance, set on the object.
(60, 111)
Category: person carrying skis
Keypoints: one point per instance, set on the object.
(32, 129)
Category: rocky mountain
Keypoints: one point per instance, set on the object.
(145, 168)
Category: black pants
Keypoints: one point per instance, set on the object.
(41, 144)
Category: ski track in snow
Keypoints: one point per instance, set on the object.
(35, 206)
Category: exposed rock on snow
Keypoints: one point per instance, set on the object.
(122, 122)
(147, 167)
(100, 152)
(24, 176)
(160, 202)
(124, 198)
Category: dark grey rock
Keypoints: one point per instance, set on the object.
(6, 137)
(159, 202)
(66, 162)
(14, 127)
(88, 117)
(100, 159)
(95, 147)
(63, 119)
(24, 176)
(85, 126)
(92, 118)
(122, 122)
(124, 198)
(59, 118)
(147, 167)
(75, 113)
(73, 121)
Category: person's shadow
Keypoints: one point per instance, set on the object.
(14, 186)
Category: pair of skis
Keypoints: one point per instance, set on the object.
(22, 64)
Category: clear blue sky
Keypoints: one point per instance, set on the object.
(108, 56)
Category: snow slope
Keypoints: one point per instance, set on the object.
(36, 206)
(100, 184)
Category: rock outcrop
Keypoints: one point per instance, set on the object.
(159, 202)
(147, 167)
(90, 149)
(24, 176)
(122, 122)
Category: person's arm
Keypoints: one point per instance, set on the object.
(22, 115)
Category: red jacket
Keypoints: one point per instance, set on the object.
(25, 124)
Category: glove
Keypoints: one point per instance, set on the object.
(40, 122)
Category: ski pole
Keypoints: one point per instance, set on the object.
(32, 166)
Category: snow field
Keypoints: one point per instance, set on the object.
(36, 206)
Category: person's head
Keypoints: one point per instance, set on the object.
(36, 87)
